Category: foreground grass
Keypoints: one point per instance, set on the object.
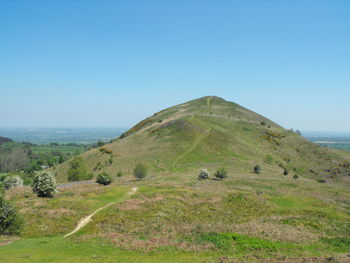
(63, 250)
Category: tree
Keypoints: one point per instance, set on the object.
(10, 222)
(44, 185)
(77, 170)
(61, 159)
(140, 171)
(257, 169)
(203, 174)
(285, 172)
(103, 179)
(221, 173)
(100, 143)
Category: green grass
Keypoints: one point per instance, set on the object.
(176, 216)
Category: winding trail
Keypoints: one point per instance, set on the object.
(194, 145)
(84, 221)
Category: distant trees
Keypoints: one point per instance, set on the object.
(13, 158)
(257, 169)
(104, 179)
(77, 170)
(44, 185)
(140, 171)
(221, 173)
(203, 174)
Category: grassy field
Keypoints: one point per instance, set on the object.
(174, 217)
(252, 218)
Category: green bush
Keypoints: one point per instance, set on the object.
(203, 174)
(296, 176)
(285, 172)
(257, 169)
(12, 181)
(119, 174)
(221, 173)
(10, 222)
(77, 170)
(44, 185)
(269, 159)
(140, 171)
(103, 179)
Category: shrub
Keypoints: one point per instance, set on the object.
(263, 123)
(61, 159)
(44, 185)
(110, 161)
(221, 173)
(257, 169)
(203, 174)
(322, 181)
(104, 179)
(140, 171)
(119, 174)
(10, 222)
(296, 176)
(285, 172)
(77, 170)
(12, 181)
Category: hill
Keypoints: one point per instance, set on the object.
(171, 216)
(211, 132)
(4, 140)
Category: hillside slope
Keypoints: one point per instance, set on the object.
(174, 217)
(211, 132)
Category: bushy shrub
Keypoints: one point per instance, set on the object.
(10, 222)
(140, 171)
(296, 176)
(44, 185)
(119, 174)
(203, 174)
(257, 169)
(12, 181)
(104, 179)
(221, 173)
(322, 181)
(77, 170)
(285, 172)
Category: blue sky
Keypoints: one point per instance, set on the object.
(113, 63)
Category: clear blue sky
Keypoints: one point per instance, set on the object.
(113, 63)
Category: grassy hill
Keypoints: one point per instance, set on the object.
(174, 217)
(211, 132)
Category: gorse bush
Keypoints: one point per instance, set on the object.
(119, 174)
(12, 181)
(221, 173)
(140, 171)
(203, 174)
(77, 170)
(10, 222)
(257, 169)
(44, 185)
(103, 179)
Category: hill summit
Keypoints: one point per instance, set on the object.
(210, 132)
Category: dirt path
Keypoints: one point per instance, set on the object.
(195, 144)
(84, 221)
